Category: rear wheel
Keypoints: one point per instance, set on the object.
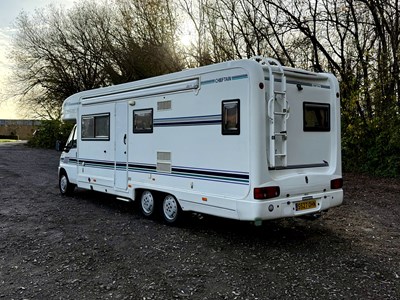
(147, 203)
(66, 187)
(171, 210)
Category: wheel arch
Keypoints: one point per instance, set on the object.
(62, 171)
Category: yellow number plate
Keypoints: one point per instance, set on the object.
(306, 204)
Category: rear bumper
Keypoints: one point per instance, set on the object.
(255, 210)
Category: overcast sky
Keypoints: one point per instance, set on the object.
(9, 11)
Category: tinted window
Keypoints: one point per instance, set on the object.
(231, 117)
(143, 121)
(316, 117)
(102, 127)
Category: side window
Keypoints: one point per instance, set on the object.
(72, 142)
(102, 127)
(87, 127)
(96, 127)
(231, 117)
(74, 138)
(316, 117)
(143, 121)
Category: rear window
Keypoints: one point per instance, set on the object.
(316, 117)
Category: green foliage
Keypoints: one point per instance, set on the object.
(49, 132)
(6, 140)
(372, 149)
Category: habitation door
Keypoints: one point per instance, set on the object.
(121, 146)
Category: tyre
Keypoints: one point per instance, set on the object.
(147, 203)
(66, 188)
(171, 210)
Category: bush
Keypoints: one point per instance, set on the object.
(49, 132)
(374, 149)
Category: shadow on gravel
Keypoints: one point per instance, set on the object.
(293, 233)
(4, 172)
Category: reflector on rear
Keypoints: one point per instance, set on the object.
(336, 183)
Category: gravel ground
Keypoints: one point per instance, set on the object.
(91, 246)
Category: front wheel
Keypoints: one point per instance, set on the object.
(66, 187)
(171, 210)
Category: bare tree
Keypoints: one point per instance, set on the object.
(200, 49)
(143, 41)
(58, 53)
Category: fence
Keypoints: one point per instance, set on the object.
(20, 129)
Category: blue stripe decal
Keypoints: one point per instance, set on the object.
(215, 179)
(223, 176)
(196, 173)
(97, 164)
(224, 79)
(69, 160)
(208, 82)
(188, 121)
(239, 77)
(142, 168)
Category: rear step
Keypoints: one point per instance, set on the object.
(124, 199)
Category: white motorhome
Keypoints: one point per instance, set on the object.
(247, 140)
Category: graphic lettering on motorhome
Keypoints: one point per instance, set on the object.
(247, 140)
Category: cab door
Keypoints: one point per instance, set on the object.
(121, 146)
(69, 156)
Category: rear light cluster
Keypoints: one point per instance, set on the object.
(266, 192)
(336, 183)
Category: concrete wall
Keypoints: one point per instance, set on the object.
(22, 128)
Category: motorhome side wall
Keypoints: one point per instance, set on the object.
(186, 153)
(204, 136)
